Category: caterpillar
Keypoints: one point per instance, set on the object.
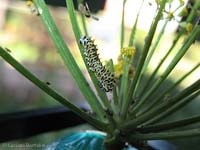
(105, 77)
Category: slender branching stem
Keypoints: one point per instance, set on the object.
(147, 45)
(149, 57)
(174, 108)
(124, 88)
(68, 59)
(167, 135)
(169, 125)
(115, 101)
(122, 25)
(130, 125)
(84, 25)
(133, 30)
(159, 98)
(188, 42)
(76, 30)
(176, 40)
(43, 86)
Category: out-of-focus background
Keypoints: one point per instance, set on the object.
(24, 34)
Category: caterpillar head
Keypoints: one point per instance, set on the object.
(84, 40)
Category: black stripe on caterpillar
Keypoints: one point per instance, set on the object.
(105, 77)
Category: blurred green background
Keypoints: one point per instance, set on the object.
(24, 34)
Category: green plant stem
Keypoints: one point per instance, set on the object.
(166, 135)
(123, 88)
(130, 125)
(172, 87)
(152, 51)
(158, 38)
(147, 45)
(68, 59)
(43, 86)
(83, 21)
(133, 30)
(84, 25)
(74, 22)
(77, 34)
(169, 125)
(189, 41)
(115, 97)
(173, 108)
(122, 25)
(152, 77)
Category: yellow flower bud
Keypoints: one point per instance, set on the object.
(127, 52)
(170, 15)
(126, 56)
(118, 69)
(189, 27)
(182, 2)
(184, 12)
(29, 3)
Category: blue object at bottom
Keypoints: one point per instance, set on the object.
(88, 140)
(93, 140)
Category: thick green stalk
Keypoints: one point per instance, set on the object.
(167, 135)
(68, 59)
(189, 41)
(169, 125)
(43, 86)
(158, 99)
(147, 45)
(77, 34)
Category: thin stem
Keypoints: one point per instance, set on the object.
(147, 45)
(123, 88)
(169, 125)
(167, 135)
(130, 125)
(133, 30)
(154, 47)
(44, 87)
(68, 59)
(172, 87)
(173, 108)
(77, 34)
(149, 57)
(152, 77)
(189, 41)
(84, 25)
(115, 97)
(83, 20)
(122, 25)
